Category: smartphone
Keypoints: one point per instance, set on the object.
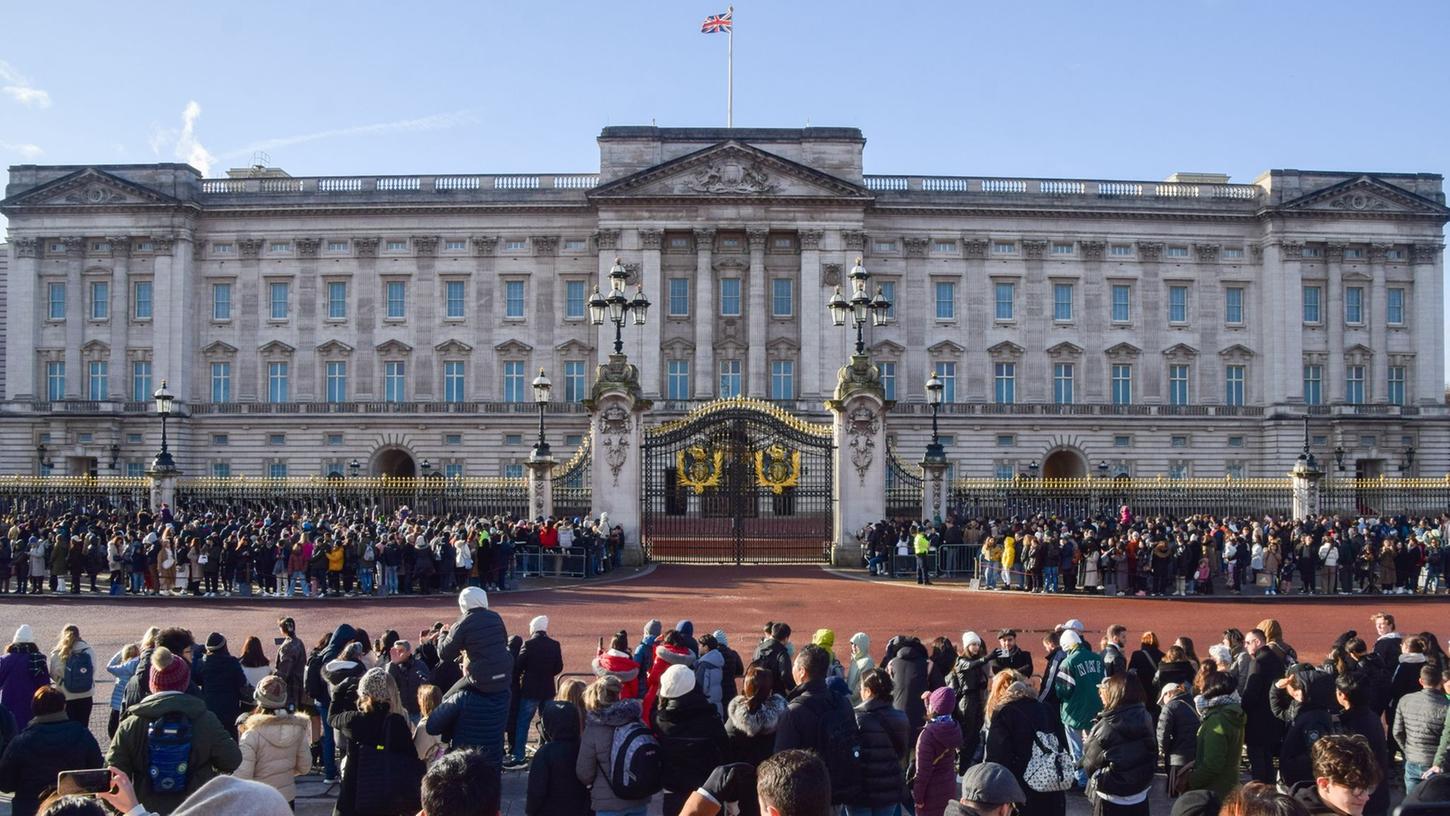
(68, 783)
(278, 641)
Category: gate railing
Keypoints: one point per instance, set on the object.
(572, 491)
(59, 493)
(1083, 497)
(1385, 495)
(484, 496)
(903, 486)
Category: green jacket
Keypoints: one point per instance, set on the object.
(1076, 685)
(213, 751)
(1220, 746)
(922, 544)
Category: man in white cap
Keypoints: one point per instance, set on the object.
(1076, 685)
(539, 662)
(988, 789)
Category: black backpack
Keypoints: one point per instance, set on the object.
(840, 742)
(312, 681)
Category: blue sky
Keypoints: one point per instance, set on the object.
(1132, 90)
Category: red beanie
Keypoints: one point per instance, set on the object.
(174, 677)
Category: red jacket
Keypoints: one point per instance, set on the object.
(621, 665)
(548, 538)
(665, 657)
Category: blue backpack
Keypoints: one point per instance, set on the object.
(168, 750)
(79, 676)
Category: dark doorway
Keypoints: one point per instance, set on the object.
(1064, 464)
(394, 462)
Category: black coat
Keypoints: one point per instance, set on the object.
(539, 662)
(883, 748)
(1144, 664)
(968, 681)
(1009, 743)
(1262, 727)
(1169, 671)
(225, 688)
(1313, 720)
(909, 678)
(1019, 660)
(47, 746)
(409, 676)
(814, 711)
(380, 727)
(691, 737)
(773, 657)
(554, 789)
(480, 634)
(1121, 750)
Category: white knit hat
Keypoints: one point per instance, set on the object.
(539, 624)
(23, 634)
(1221, 653)
(677, 681)
(1070, 638)
(1074, 624)
(968, 638)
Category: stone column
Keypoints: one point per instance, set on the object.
(653, 280)
(24, 316)
(484, 382)
(541, 484)
(616, 409)
(75, 317)
(756, 316)
(251, 320)
(120, 311)
(1376, 317)
(934, 488)
(859, 409)
(1332, 316)
(1428, 328)
(809, 310)
(704, 315)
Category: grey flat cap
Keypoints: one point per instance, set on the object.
(992, 784)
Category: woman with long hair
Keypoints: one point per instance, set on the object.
(1014, 718)
(1175, 668)
(1119, 752)
(1144, 663)
(1220, 741)
(255, 664)
(608, 712)
(377, 723)
(72, 667)
(883, 731)
(1186, 644)
(276, 744)
(752, 717)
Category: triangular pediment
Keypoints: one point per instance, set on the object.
(946, 347)
(1124, 350)
(1006, 348)
(95, 347)
(730, 169)
(334, 347)
(453, 347)
(513, 347)
(1237, 351)
(678, 345)
(1365, 196)
(1180, 350)
(574, 347)
(782, 344)
(730, 346)
(1065, 349)
(394, 347)
(219, 349)
(888, 348)
(88, 187)
(276, 347)
(1358, 349)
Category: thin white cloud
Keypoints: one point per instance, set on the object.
(182, 142)
(438, 121)
(24, 151)
(14, 85)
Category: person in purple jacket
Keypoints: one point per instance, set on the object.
(23, 670)
(936, 754)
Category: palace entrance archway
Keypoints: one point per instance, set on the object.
(394, 462)
(1064, 463)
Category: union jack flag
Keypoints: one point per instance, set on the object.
(716, 23)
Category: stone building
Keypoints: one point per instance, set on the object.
(1180, 328)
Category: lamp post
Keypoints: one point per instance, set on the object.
(616, 306)
(542, 386)
(42, 460)
(1409, 461)
(935, 390)
(163, 463)
(353, 467)
(862, 307)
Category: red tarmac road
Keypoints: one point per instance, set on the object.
(738, 600)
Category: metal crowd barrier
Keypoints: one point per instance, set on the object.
(572, 562)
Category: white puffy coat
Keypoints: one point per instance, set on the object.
(276, 749)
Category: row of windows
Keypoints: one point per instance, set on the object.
(99, 306)
(1354, 384)
(399, 245)
(98, 380)
(1354, 305)
(1058, 248)
(782, 379)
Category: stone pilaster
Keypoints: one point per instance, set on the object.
(934, 489)
(810, 309)
(23, 318)
(756, 315)
(120, 311)
(859, 416)
(705, 315)
(1428, 327)
(75, 316)
(616, 423)
(486, 384)
(651, 276)
(541, 485)
(1332, 315)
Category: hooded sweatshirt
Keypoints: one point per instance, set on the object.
(686, 629)
(480, 634)
(234, 797)
(709, 678)
(554, 788)
(1313, 720)
(861, 663)
(826, 639)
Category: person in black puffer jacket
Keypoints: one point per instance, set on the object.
(373, 724)
(883, 745)
(1178, 723)
(691, 736)
(1015, 717)
(49, 744)
(775, 657)
(1313, 692)
(223, 683)
(816, 714)
(1120, 753)
(554, 788)
(908, 670)
(479, 633)
(968, 680)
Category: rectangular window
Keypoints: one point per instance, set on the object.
(1235, 441)
(888, 291)
(782, 297)
(1395, 306)
(459, 246)
(220, 440)
(221, 470)
(394, 381)
(679, 300)
(574, 381)
(574, 298)
(1120, 250)
(730, 297)
(1354, 253)
(1062, 249)
(1122, 441)
(397, 300)
(98, 380)
(513, 470)
(1062, 301)
(397, 246)
(1233, 385)
(141, 380)
(1122, 384)
(1234, 470)
(1177, 252)
(142, 294)
(1396, 391)
(1178, 304)
(888, 379)
(1178, 441)
(1062, 383)
(1003, 248)
(1006, 440)
(336, 246)
(277, 296)
(885, 246)
(336, 374)
(277, 470)
(677, 380)
(1122, 294)
(782, 379)
(515, 245)
(513, 299)
(1311, 304)
(56, 298)
(453, 381)
(337, 300)
(944, 247)
(453, 470)
(1005, 296)
(729, 379)
(453, 300)
(1233, 305)
(221, 301)
(1354, 304)
(277, 385)
(947, 373)
(280, 246)
(513, 381)
(221, 382)
(1354, 384)
(1313, 384)
(453, 439)
(1178, 384)
(574, 245)
(1233, 252)
(1313, 252)
(946, 300)
(100, 300)
(1004, 383)
(55, 381)
(1003, 471)
(221, 249)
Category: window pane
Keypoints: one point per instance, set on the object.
(1062, 301)
(99, 380)
(573, 298)
(947, 373)
(453, 309)
(55, 381)
(1311, 304)
(1004, 380)
(1178, 304)
(888, 291)
(782, 380)
(221, 301)
(397, 308)
(679, 301)
(782, 291)
(453, 381)
(393, 382)
(1120, 303)
(573, 381)
(1354, 304)
(514, 299)
(279, 300)
(1233, 385)
(888, 379)
(141, 381)
(1396, 391)
(1005, 296)
(946, 300)
(1122, 384)
(1233, 308)
(221, 382)
(1395, 306)
(1062, 383)
(336, 381)
(513, 381)
(1178, 385)
(337, 300)
(100, 300)
(677, 380)
(277, 389)
(730, 297)
(729, 378)
(56, 299)
(1313, 376)
(143, 300)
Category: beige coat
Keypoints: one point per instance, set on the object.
(276, 749)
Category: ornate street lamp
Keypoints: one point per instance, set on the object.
(115, 452)
(935, 390)
(164, 402)
(542, 386)
(353, 467)
(1339, 458)
(1409, 461)
(616, 306)
(862, 307)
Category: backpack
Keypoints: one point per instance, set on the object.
(840, 748)
(168, 752)
(79, 677)
(1050, 768)
(636, 770)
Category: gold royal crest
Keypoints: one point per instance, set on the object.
(777, 468)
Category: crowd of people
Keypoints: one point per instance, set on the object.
(780, 726)
(1167, 556)
(248, 551)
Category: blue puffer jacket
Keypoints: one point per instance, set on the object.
(122, 670)
(49, 745)
(469, 718)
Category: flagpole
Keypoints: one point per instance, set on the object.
(730, 70)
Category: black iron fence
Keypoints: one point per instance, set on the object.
(571, 485)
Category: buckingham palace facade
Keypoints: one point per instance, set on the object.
(1182, 327)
